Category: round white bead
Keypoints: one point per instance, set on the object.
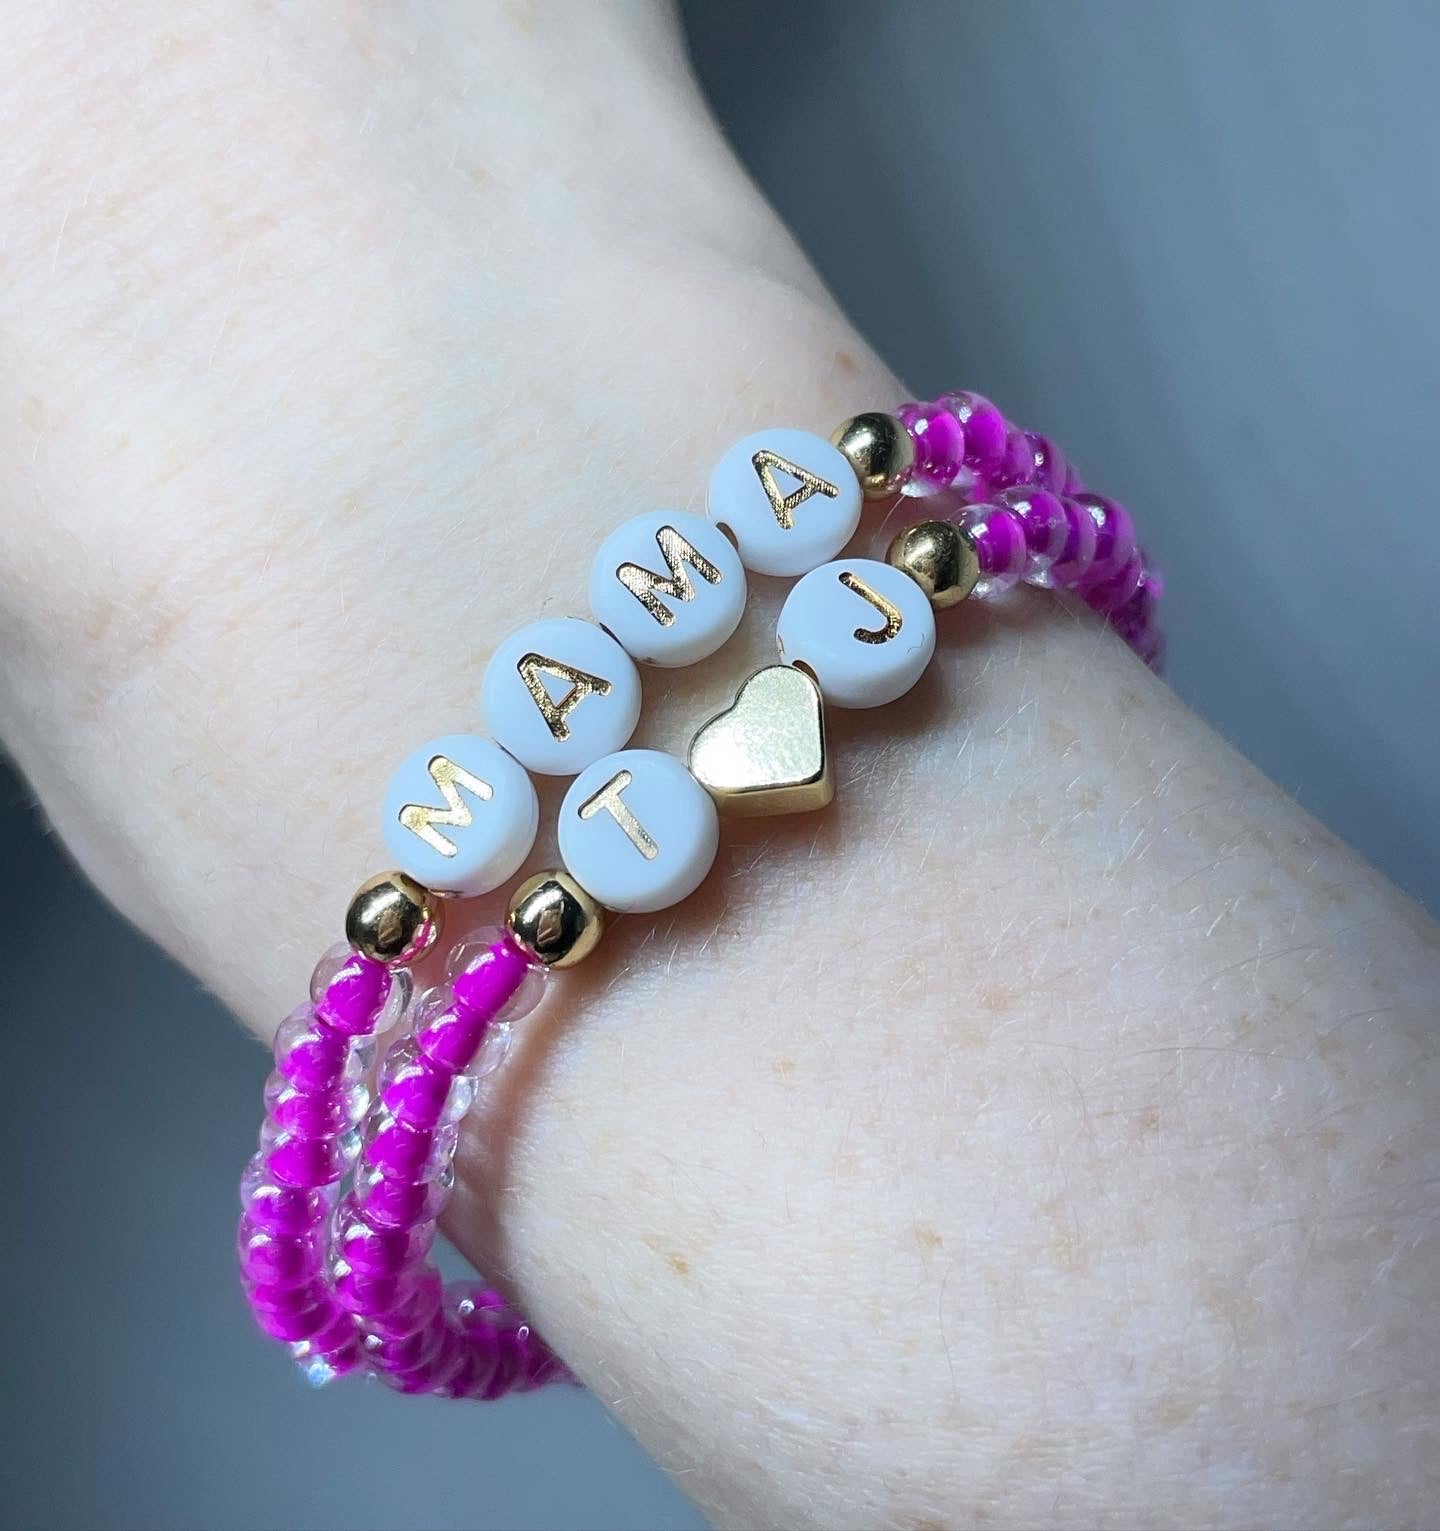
(790, 499)
(637, 831)
(864, 630)
(669, 586)
(460, 815)
(559, 694)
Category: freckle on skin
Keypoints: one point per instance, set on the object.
(846, 363)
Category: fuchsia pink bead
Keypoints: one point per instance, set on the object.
(1049, 470)
(999, 538)
(1114, 536)
(1073, 564)
(986, 433)
(354, 996)
(1043, 518)
(939, 441)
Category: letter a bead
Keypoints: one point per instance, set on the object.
(460, 815)
(670, 586)
(637, 831)
(865, 631)
(790, 500)
(559, 694)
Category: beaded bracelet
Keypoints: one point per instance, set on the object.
(342, 1274)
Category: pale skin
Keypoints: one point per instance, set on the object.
(1043, 1135)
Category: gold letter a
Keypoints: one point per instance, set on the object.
(785, 505)
(582, 684)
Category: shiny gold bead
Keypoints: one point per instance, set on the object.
(940, 558)
(555, 919)
(879, 449)
(392, 919)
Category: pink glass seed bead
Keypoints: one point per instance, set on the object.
(1114, 536)
(984, 426)
(312, 1055)
(999, 540)
(278, 1259)
(390, 1203)
(308, 1163)
(391, 1307)
(283, 1210)
(939, 442)
(1111, 594)
(1017, 462)
(378, 1251)
(1049, 470)
(478, 951)
(400, 1152)
(1078, 553)
(318, 1114)
(291, 1312)
(1043, 518)
(448, 1033)
(354, 996)
(409, 1352)
(421, 1093)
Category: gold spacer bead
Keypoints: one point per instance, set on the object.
(392, 919)
(555, 919)
(879, 449)
(940, 557)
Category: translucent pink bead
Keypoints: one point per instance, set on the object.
(390, 1203)
(1049, 469)
(448, 1033)
(420, 1093)
(1017, 462)
(401, 1152)
(280, 1209)
(985, 429)
(323, 1113)
(378, 1251)
(307, 1162)
(279, 1259)
(1043, 518)
(411, 1351)
(354, 996)
(389, 1308)
(484, 965)
(496, 980)
(287, 1299)
(939, 442)
(999, 540)
(1079, 550)
(1114, 536)
(311, 1055)
(337, 964)
(1111, 594)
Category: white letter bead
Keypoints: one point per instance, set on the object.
(864, 630)
(637, 831)
(669, 586)
(559, 694)
(790, 499)
(460, 815)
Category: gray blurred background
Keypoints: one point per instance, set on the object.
(1197, 243)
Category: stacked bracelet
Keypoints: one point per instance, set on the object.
(342, 1273)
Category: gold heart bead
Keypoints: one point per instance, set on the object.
(766, 753)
